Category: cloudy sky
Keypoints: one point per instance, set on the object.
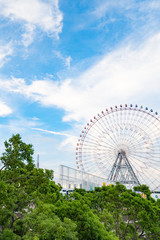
(63, 61)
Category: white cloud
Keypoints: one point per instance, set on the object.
(65, 60)
(126, 7)
(53, 132)
(127, 74)
(33, 13)
(106, 6)
(68, 62)
(67, 144)
(139, 18)
(5, 51)
(28, 35)
(4, 109)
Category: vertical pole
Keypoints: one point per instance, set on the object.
(37, 161)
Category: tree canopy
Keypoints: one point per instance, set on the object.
(32, 206)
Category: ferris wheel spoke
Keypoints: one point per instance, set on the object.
(98, 148)
(140, 118)
(110, 124)
(135, 136)
(142, 169)
(147, 157)
(150, 154)
(115, 123)
(97, 158)
(132, 142)
(98, 138)
(134, 116)
(112, 136)
(136, 162)
(139, 164)
(93, 166)
(146, 177)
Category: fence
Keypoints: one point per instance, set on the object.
(71, 178)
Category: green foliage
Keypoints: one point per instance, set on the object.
(22, 186)
(143, 189)
(8, 234)
(7, 203)
(106, 218)
(134, 217)
(32, 207)
(88, 224)
(43, 224)
(17, 153)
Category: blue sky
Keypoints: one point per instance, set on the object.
(63, 61)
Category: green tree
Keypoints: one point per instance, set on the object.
(88, 224)
(22, 186)
(43, 224)
(17, 154)
(143, 189)
(125, 212)
(7, 204)
(8, 234)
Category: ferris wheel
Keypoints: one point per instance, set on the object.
(122, 144)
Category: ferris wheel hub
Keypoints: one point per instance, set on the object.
(122, 152)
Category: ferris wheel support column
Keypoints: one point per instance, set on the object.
(122, 171)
